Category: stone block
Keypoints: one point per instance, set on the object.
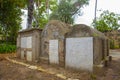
(53, 52)
(79, 53)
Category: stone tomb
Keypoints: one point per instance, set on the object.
(85, 47)
(78, 47)
(52, 45)
(28, 44)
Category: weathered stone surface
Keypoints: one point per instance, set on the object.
(79, 53)
(29, 56)
(81, 30)
(23, 42)
(54, 30)
(100, 41)
(53, 52)
(98, 50)
(22, 55)
(28, 44)
(50, 45)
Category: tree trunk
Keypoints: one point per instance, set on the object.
(30, 13)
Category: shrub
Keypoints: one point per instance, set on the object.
(7, 48)
(112, 44)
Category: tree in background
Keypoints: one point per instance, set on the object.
(42, 10)
(10, 18)
(30, 13)
(67, 9)
(107, 21)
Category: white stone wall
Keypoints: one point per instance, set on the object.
(53, 52)
(79, 53)
(26, 42)
(29, 56)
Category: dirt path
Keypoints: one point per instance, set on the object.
(10, 71)
(113, 70)
(13, 71)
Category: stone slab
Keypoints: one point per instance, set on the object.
(53, 52)
(23, 42)
(79, 53)
(26, 42)
(22, 54)
(29, 42)
(29, 56)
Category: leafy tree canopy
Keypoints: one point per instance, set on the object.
(107, 21)
(10, 17)
(42, 11)
(67, 9)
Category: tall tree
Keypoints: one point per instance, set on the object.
(107, 21)
(10, 13)
(42, 10)
(67, 9)
(30, 13)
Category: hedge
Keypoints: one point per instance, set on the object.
(7, 48)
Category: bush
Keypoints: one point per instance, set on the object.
(7, 42)
(7, 48)
(116, 47)
(112, 44)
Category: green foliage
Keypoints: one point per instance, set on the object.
(112, 44)
(41, 15)
(7, 48)
(10, 17)
(17, 3)
(67, 9)
(0, 29)
(107, 21)
(93, 76)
